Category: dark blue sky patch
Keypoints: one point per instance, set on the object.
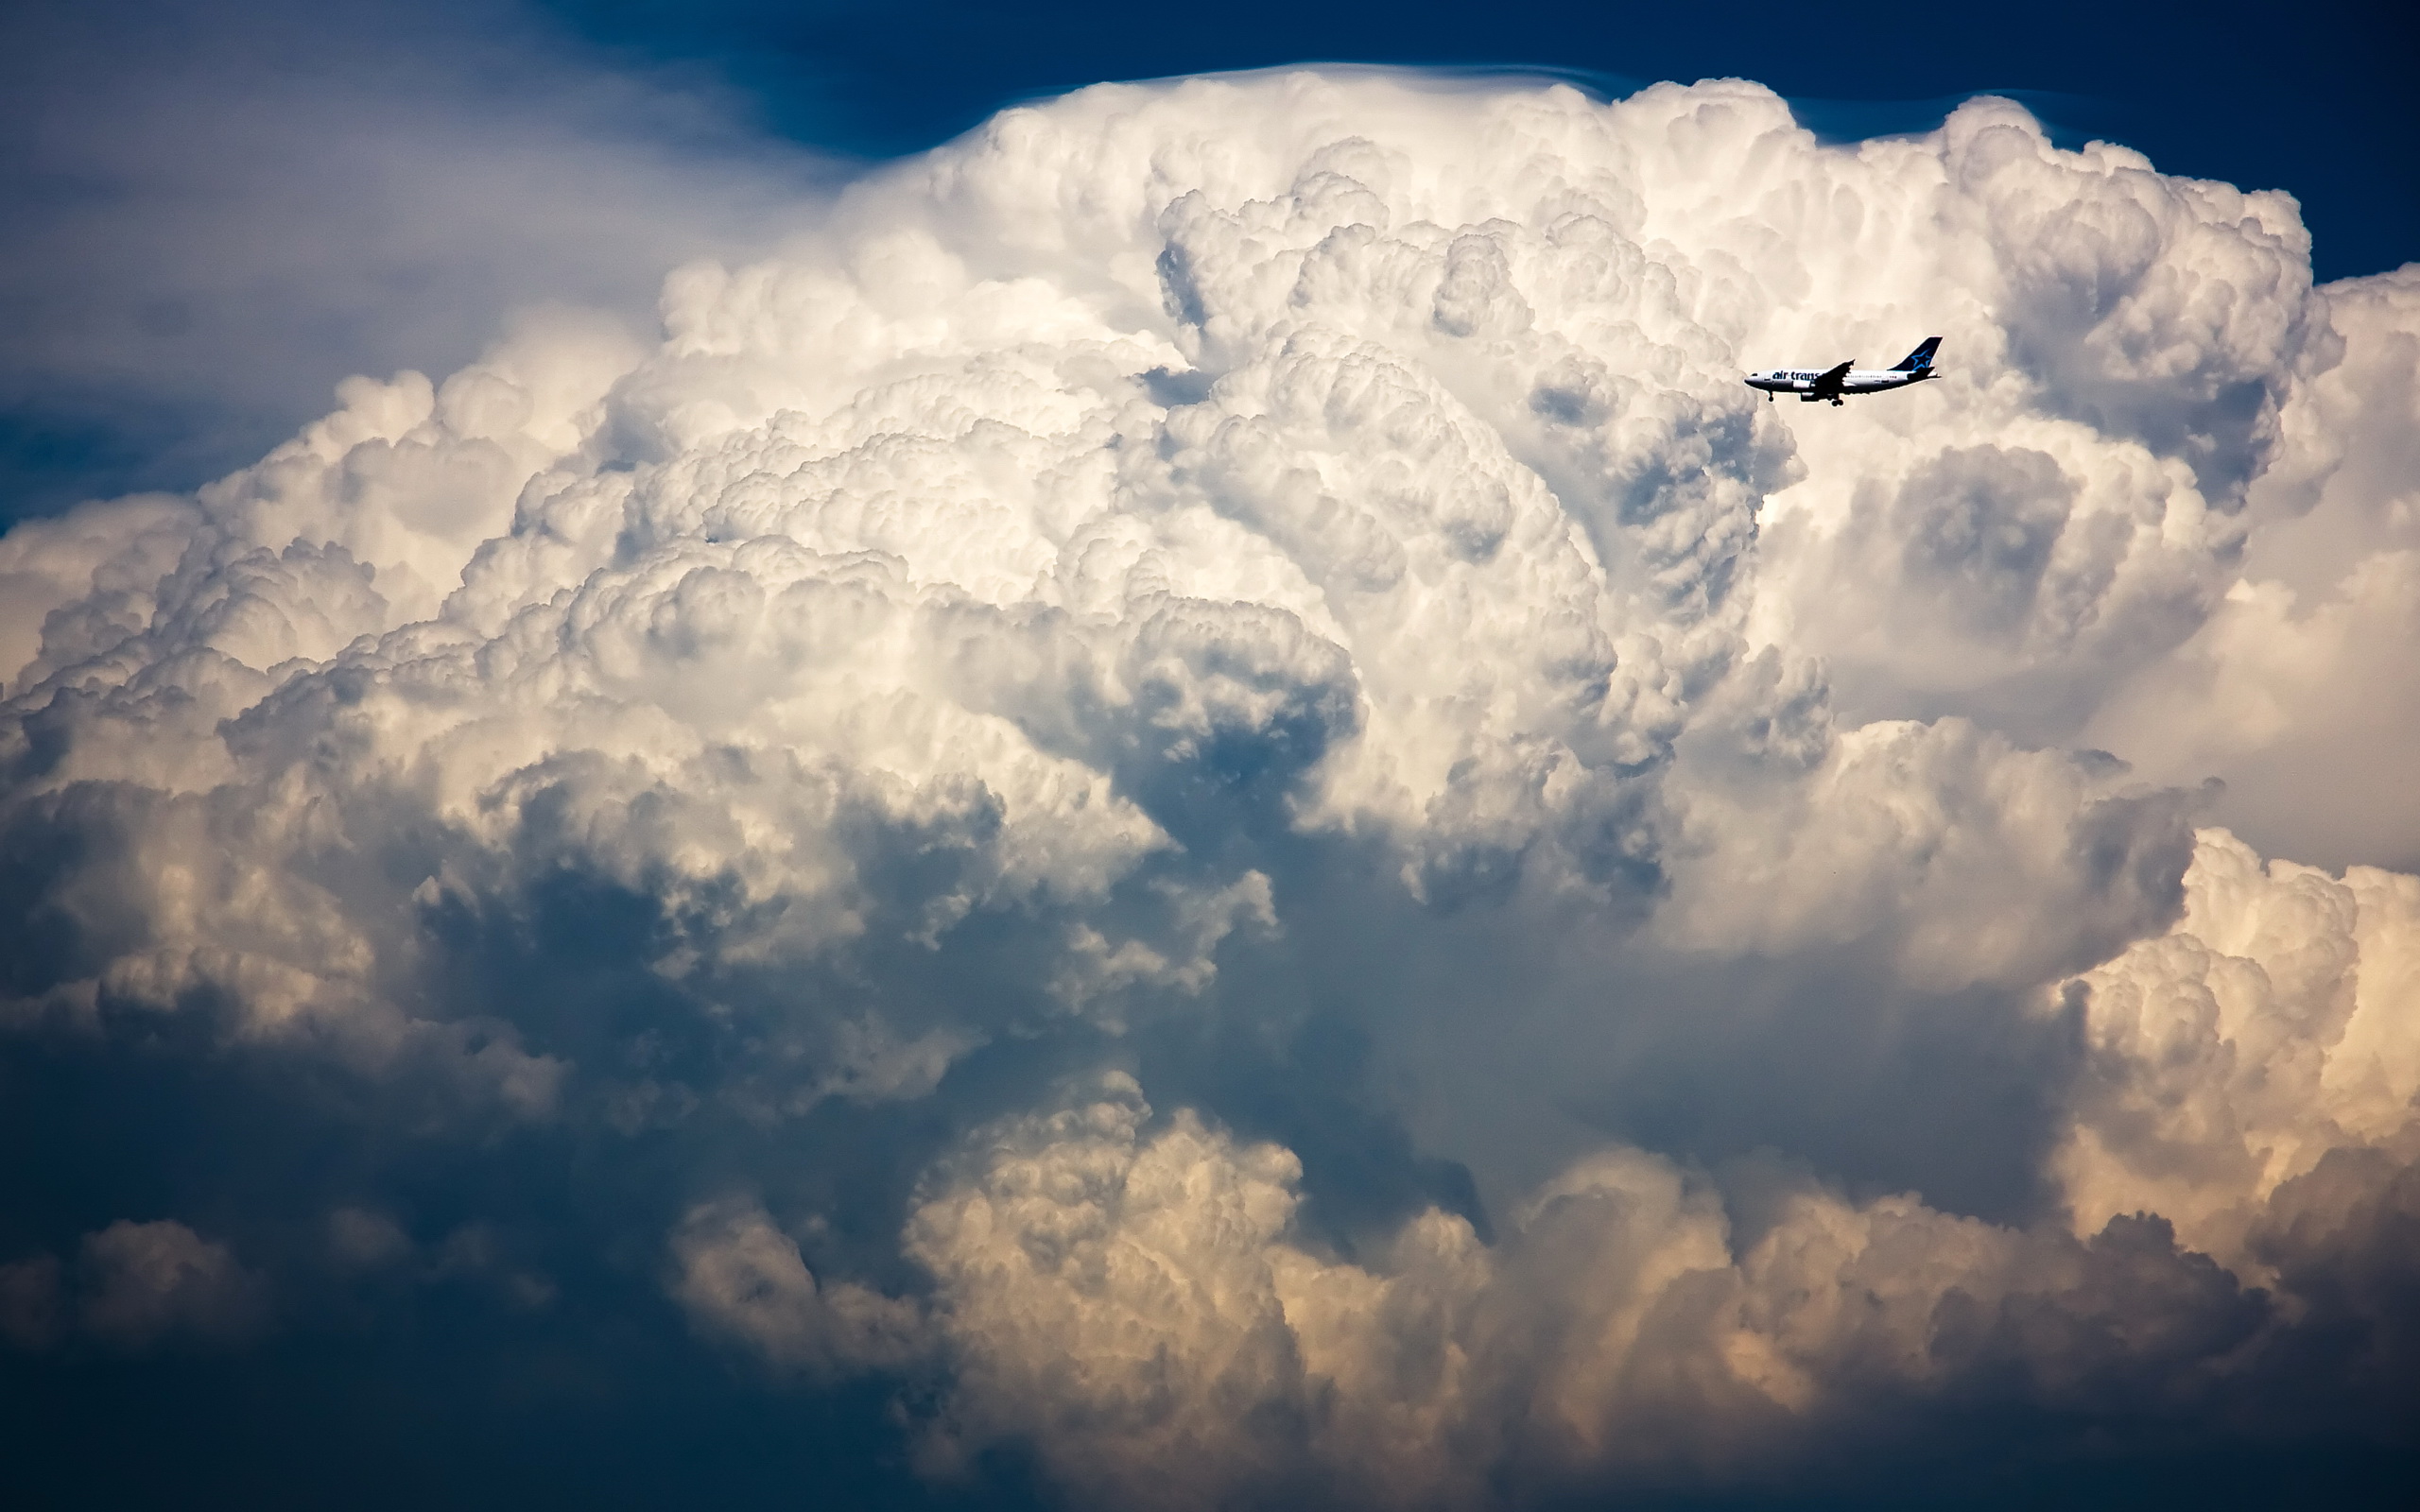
(2305, 102)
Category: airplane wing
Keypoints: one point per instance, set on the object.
(1828, 386)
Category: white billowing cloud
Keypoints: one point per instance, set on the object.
(1988, 864)
(994, 617)
(2296, 688)
(1134, 1302)
(2122, 344)
(1116, 1301)
(360, 525)
(1464, 467)
(2278, 1022)
(2305, 704)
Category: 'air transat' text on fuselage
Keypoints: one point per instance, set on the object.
(1835, 384)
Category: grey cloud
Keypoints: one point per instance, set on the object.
(741, 1275)
(2291, 690)
(29, 1302)
(132, 1286)
(146, 1281)
(366, 1239)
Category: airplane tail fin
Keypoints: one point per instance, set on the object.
(1919, 360)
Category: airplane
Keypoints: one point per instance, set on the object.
(1834, 382)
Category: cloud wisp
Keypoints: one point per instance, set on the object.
(1200, 792)
(216, 210)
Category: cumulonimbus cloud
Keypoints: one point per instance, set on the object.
(1309, 519)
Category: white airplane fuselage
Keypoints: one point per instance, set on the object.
(1801, 381)
(1837, 382)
